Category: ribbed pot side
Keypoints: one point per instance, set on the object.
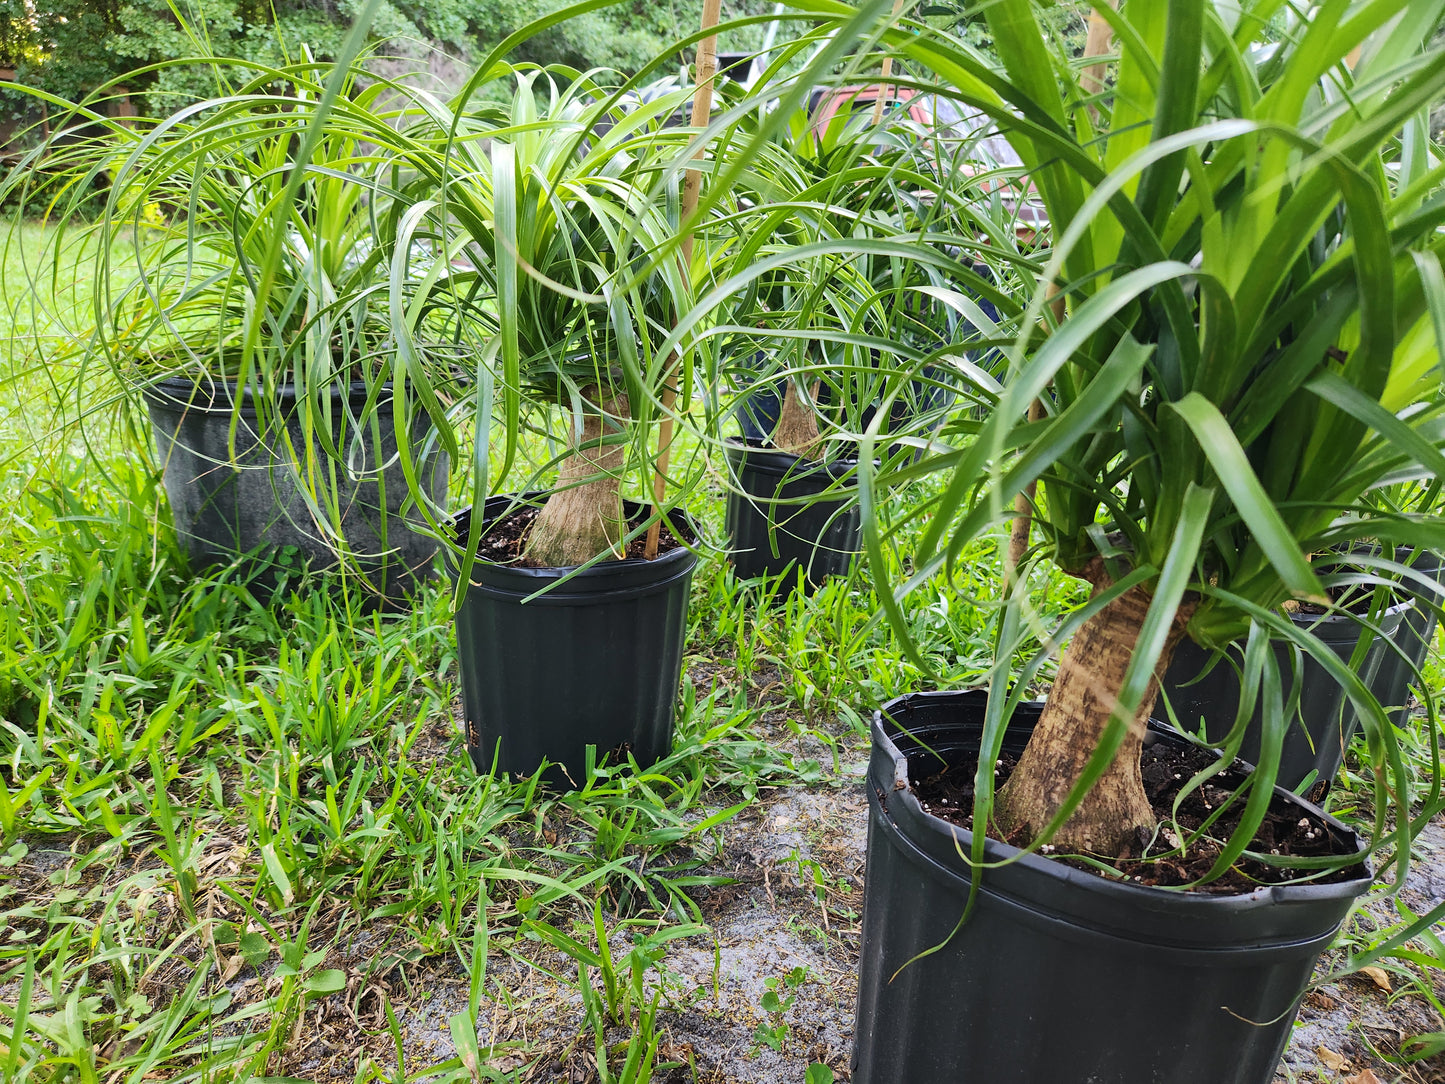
(1399, 666)
(774, 524)
(256, 501)
(593, 661)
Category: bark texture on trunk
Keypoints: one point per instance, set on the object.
(797, 428)
(583, 516)
(1091, 672)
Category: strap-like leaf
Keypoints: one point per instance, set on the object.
(1233, 469)
(1335, 389)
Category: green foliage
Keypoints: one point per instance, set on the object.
(235, 258)
(75, 48)
(240, 243)
(314, 797)
(1064, 21)
(778, 997)
(1244, 347)
(624, 992)
(257, 789)
(836, 267)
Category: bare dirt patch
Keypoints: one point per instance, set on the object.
(792, 910)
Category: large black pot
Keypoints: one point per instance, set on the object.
(1059, 975)
(1320, 732)
(774, 524)
(257, 501)
(596, 660)
(1399, 666)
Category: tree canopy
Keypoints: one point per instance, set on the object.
(71, 48)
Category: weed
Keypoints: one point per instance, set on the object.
(624, 1001)
(778, 997)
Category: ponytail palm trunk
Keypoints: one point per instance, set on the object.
(1084, 697)
(1246, 236)
(583, 516)
(797, 429)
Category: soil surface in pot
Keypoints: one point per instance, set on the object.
(506, 539)
(803, 465)
(1288, 831)
(1356, 598)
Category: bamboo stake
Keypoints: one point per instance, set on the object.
(887, 71)
(1092, 80)
(1096, 44)
(1018, 538)
(691, 188)
(1023, 521)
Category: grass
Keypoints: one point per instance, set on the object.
(210, 800)
(229, 824)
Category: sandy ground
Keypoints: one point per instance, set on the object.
(771, 921)
(792, 911)
(774, 922)
(1350, 1027)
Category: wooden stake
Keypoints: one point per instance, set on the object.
(691, 188)
(1018, 538)
(887, 71)
(1092, 79)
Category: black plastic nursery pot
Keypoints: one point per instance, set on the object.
(1320, 732)
(1059, 975)
(594, 661)
(256, 503)
(1397, 670)
(773, 526)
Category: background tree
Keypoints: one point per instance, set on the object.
(71, 48)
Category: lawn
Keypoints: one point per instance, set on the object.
(242, 839)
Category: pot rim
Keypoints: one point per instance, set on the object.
(1332, 622)
(766, 460)
(997, 851)
(190, 393)
(591, 580)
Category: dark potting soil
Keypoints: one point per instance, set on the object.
(1354, 597)
(1287, 831)
(506, 538)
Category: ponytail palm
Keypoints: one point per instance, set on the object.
(236, 238)
(240, 274)
(843, 258)
(1247, 243)
(554, 209)
(240, 247)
